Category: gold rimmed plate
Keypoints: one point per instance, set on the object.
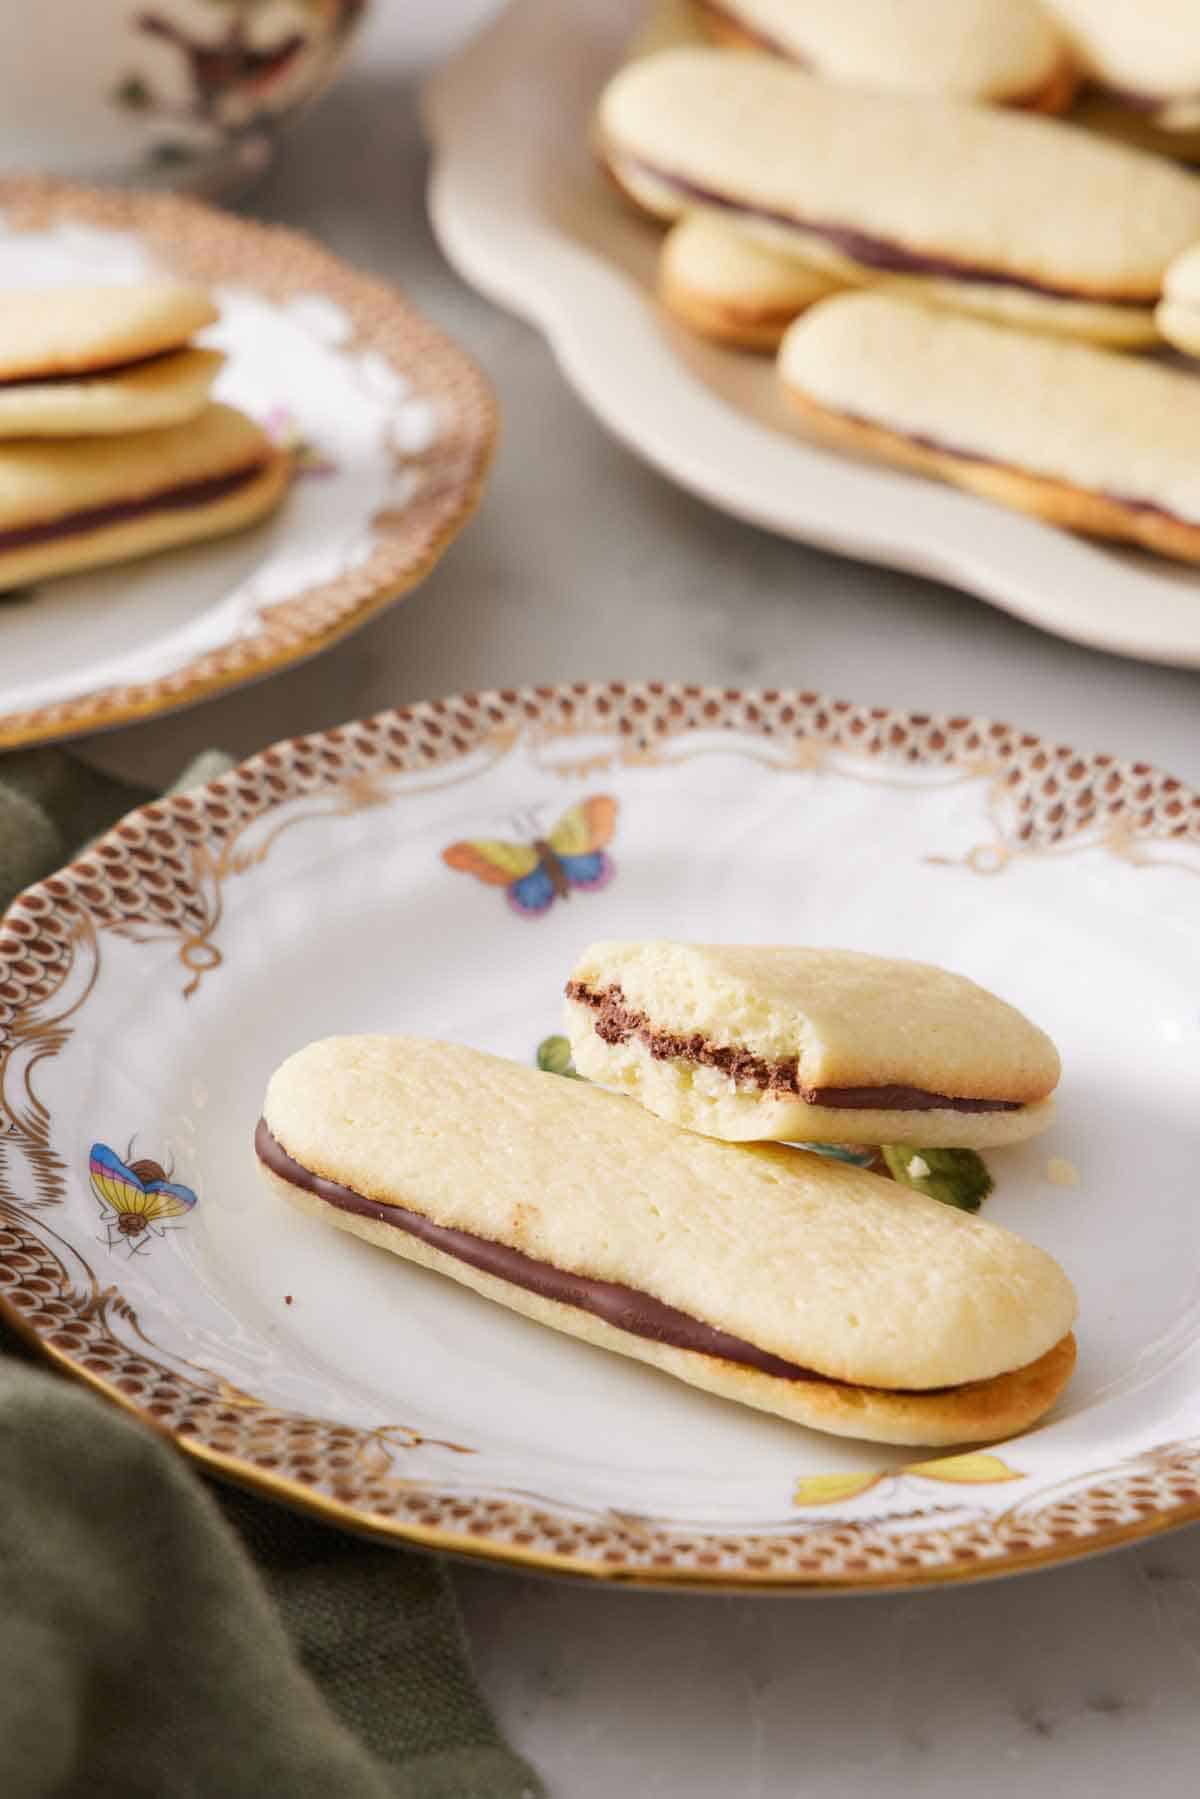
(389, 424)
(147, 992)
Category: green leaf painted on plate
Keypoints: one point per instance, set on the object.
(554, 1057)
(958, 1177)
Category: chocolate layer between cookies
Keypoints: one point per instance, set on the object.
(623, 1307)
(1139, 100)
(870, 252)
(80, 377)
(618, 1022)
(185, 496)
(941, 446)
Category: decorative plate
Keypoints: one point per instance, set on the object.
(148, 990)
(527, 217)
(392, 427)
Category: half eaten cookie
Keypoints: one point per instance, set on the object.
(808, 1045)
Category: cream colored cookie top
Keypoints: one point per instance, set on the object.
(44, 478)
(999, 191)
(1108, 423)
(1149, 49)
(825, 1265)
(846, 1019)
(978, 49)
(703, 253)
(64, 330)
(163, 391)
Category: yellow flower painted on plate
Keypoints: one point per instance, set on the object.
(979, 1468)
(828, 1489)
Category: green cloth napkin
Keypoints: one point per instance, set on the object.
(165, 1639)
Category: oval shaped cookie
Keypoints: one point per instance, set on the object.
(1099, 443)
(1003, 51)
(979, 208)
(781, 1279)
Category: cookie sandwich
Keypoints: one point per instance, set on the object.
(964, 205)
(1142, 56)
(1006, 52)
(74, 503)
(808, 1045)
(731, 289)
(1096, 442)
(767, 1275)
(76, 361)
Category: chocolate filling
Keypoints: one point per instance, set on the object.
(877, 252)
(184, 498)
(1140, 100)
(617, 1022)
(940, 447)
(101, 370)
(623, 1307)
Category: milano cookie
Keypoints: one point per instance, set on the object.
(767, 1275)
(969, 206)
(159, 390)
(77, 502)
(808, 1045)
(729, 288)
(47, 333)
(1104, 444)
(1142, 55)
(78, 361)
(1003, 51)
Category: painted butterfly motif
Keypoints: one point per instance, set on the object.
(536, 874)
(136, 1199)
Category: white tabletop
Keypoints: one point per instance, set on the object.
(582, 563)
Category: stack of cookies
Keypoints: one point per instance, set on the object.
(946, 275)
(667, 1213)
(110, 445)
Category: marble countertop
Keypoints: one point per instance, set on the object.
(586, 564)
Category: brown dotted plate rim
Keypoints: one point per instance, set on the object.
(1045, 797)
(202, 243)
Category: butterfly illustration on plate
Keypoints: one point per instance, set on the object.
(537, 873)
(137, 1200)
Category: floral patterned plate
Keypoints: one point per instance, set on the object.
(392, 428)
(352, 881)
